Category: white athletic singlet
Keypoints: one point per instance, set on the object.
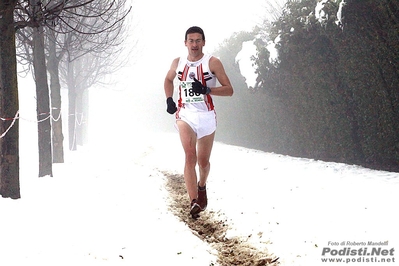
(187, 71)
(197, 110)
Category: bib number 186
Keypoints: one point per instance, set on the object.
(191, 93)
(187, 93)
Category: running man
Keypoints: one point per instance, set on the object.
(195, 111)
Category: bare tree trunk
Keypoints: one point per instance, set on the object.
(85, 110)
(80, 117)
(82, 110)
(77, 104)
(43, 103)
(72, 116)
(58, 137)
(72, 119)
(9, 140)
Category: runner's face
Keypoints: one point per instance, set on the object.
(194, 44)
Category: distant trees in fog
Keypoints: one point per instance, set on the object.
(75, 43)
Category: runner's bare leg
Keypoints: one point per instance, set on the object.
(189, 141)
(204, 153)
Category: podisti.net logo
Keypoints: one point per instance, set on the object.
(358, 252)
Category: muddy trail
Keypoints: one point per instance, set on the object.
(210, 227)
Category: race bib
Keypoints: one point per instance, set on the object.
(187, 93)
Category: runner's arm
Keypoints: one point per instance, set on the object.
(226, 89)
(170, 76)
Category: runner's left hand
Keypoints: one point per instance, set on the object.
(199, 88)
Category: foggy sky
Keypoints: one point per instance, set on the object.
(158, 27)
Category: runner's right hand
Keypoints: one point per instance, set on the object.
(171, 106)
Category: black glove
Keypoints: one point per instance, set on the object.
(171, 106)
(199, 88)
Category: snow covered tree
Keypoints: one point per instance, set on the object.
(328, 79)
(337, 78)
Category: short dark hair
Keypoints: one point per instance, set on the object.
(195, 29)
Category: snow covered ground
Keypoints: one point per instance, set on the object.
(108, 204)
(297, 207)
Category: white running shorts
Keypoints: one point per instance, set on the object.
(202, 122)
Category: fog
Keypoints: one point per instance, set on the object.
(123, 112)
(157, 33)
(133, 103)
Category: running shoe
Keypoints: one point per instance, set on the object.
(195, 209)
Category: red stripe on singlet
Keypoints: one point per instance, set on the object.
(201, 76)
(183, 78)
(208, 98)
